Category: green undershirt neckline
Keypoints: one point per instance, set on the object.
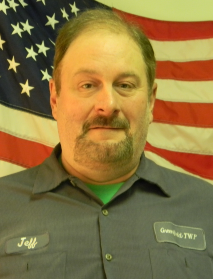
(104, 192)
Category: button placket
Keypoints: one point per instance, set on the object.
(107, 249)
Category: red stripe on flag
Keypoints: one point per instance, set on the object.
(22, 152)
(186, 114)
(189, 71)
(195, 163)
(169, 30)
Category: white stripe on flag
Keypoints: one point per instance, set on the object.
(181, 138)
(28, 126)
(182, 51)
(185, 91)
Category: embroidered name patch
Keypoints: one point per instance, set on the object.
(26, 243)
(186, 237)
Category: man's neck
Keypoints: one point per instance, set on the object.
(101, 174)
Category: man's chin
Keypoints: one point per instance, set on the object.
(110, 151)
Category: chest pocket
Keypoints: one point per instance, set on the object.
(45, 266)
(172, 264)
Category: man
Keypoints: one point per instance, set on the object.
(97, 208)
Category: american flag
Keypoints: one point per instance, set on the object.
(181, 136)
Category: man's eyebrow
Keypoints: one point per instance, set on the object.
(129, 74)
(85, 71)
(121, 75)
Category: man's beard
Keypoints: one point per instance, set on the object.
(87, 151)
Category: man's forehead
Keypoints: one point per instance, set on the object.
(101, 31)
(90, 47)
(99, 39)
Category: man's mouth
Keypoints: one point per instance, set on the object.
(104, 128)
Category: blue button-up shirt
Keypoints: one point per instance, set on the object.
(158, 225)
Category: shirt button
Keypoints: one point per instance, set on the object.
(108, 257)
(105, 212)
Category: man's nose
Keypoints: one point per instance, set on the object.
(107, 101)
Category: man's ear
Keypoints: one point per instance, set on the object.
(53, 98)
(152, 98)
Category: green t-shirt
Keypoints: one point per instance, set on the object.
(105, 192)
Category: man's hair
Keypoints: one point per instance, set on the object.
(105, 19)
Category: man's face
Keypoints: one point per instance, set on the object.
(103, 109)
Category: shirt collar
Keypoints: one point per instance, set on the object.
(151, 172)
(50, 173)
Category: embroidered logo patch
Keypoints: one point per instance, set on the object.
(186, 237)
(26, 243)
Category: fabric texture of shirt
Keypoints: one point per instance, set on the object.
(158, 225)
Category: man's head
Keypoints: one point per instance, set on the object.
(102, 95)
(102, 19)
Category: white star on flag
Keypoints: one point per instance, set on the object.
(46, 75)
(74, 9)
(64, 14)
(43, 1)
(17, 30)
(42, 48)
(3, 7)
(13, 64)
(31, 53)
(52, 21)
(27, 27)
(23, 3)
(26, 88)
(1, 43)
(12, 4)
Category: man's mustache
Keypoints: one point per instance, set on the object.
(102, 121)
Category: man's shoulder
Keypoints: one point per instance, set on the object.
(43, 172)
(25, 177)
(176, 181)
(39, 179)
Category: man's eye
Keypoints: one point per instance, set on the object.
(87, 86)
(126, 85)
